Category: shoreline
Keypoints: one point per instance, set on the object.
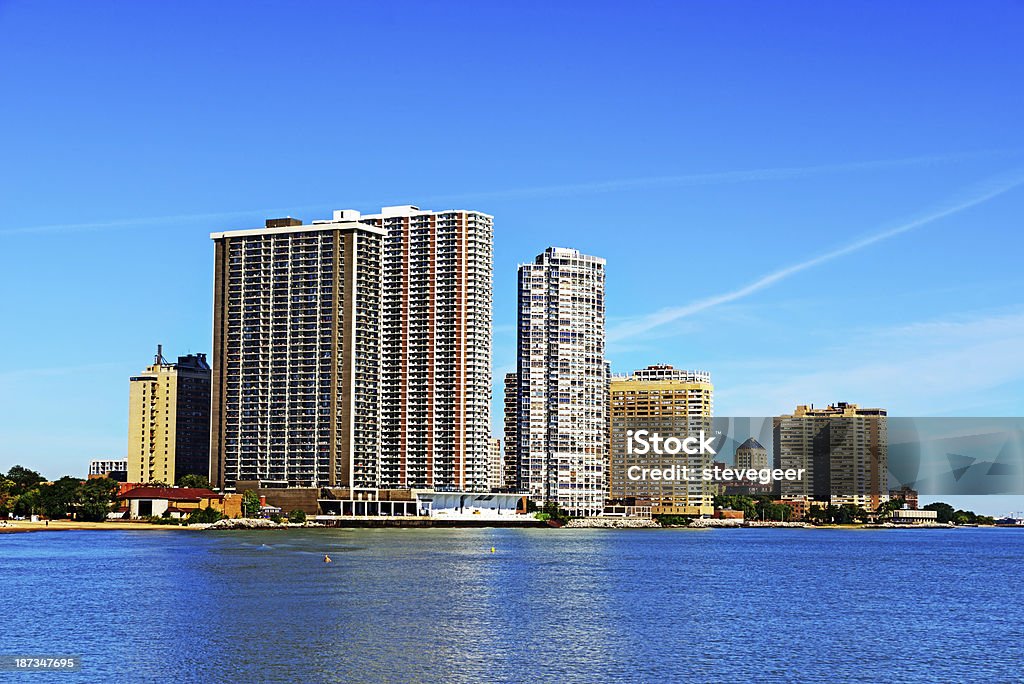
(20, 526)
(16, 526)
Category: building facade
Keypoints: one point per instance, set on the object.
(496, 466)
(114, 469)
(436, 346)
(843, 450)
(169, 420)
(511, 477)
(751, 454)
(297, 354)
(674, 403)
(562, 428)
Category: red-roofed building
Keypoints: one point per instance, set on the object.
(176, 502)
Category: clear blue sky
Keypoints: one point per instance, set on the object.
(701, 147)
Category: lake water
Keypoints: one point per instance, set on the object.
(550, 605)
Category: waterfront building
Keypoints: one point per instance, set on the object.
(436, 347)
(843, 450)
(297, 344)
(172, 502)
(114, 469)
(673, 403)
(169, 420)
(496, 466)
(429, 503)
(751, 454)
(511, 477)
(910, 516)
(906, 494)
(562, 385)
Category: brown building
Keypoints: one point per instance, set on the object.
(511, 479)
(296, 382)
(843, 450)
(906, 494)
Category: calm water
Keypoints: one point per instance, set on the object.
(550, 605)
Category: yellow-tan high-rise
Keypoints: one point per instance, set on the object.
(673, 403)
(169, 420)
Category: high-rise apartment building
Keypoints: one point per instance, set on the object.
(496, 465)
(673, 403)
(751, 454)
(436, 348)
(563, 391)
(296, 383)
(843, 450)
(169, 420)
(511, 476)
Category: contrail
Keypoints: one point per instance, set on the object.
(693, 179)
(121, 223)
(658, 318)
(717, 177)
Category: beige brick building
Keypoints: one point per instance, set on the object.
(673, 403)
(169, 420)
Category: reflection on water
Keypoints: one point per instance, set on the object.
(565, 605)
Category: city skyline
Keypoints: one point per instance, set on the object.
(872, 251)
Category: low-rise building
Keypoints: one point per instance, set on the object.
(617, 510)
(175, 502)
(421, 503)
(909, 516)
(702, 511)
(797, 506)
(906, 494)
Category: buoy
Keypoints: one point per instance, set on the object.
(327, 559)
(492, 549)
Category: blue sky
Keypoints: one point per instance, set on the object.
(705, 149)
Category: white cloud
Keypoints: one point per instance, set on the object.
(948, 367)
(637, 326)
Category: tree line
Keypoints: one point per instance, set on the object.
(24, 493)
(763, 508)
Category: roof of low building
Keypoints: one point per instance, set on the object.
(170, 493)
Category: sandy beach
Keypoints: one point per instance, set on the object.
(57, 525)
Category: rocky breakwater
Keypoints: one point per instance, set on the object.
(612, 523)
(249, 524)
(715, 522)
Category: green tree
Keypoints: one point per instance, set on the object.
(95, 498)
(205, 515)
(191, 480)
(250, 504)
(944, 510)
(24, 479)
(737, 502)
(297, 516)
(8, 499)
(59, 498)
(29, 503)
(157, 483)
(886, 508)
(553, 512)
